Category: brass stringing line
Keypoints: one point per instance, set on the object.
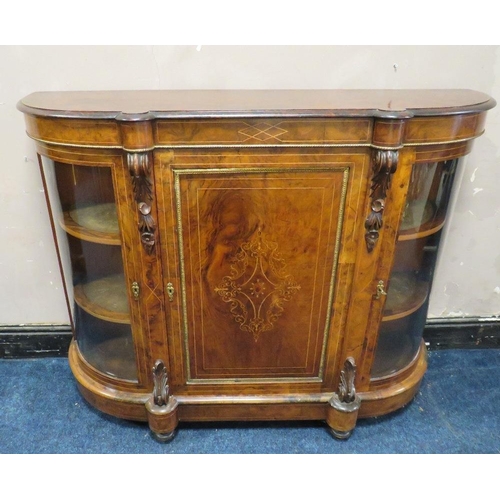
(257, 146)
(259, 170)
(95, 163)
(294, 398)
(437, 143)
(255, 380)
(194, 171)
(335, 268)
(264, 146)
(324, 145)
(92, 146)
(183, 272)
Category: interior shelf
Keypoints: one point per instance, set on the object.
(420, 219)
(425, 230)
(406, 295)
(114, 357)
(95, 223)
(105, 299)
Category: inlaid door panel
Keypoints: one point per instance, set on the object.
(256, 250)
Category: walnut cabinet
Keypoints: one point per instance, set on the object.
(249, 255)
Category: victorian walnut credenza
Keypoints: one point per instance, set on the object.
(249, 255)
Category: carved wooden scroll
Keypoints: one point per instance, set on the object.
(347, 391)
(140, 169)
(385, 163)
(161, 389)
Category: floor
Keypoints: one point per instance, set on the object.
(457, 411)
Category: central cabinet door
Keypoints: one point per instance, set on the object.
(258, 256)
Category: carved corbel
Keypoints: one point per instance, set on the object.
(161, 406)
(139, 165)
(385, 163)
(342, 412)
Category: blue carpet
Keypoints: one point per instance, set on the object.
(457, 410)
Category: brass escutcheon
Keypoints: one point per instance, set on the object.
(380, 290)
(170, 292)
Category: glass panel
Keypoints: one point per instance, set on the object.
(84, 212)
(405, 311)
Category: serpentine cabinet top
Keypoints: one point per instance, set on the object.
(138, 121)
(152, 104)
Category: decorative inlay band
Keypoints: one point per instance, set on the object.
(140, 170)
(262, 131)
(258, 286)
(256, 146)
(384, 165)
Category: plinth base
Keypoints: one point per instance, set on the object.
(383, 397)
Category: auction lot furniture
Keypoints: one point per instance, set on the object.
(249, 255)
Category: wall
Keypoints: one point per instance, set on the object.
(467, 281)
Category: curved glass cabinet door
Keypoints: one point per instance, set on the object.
(85, 221)
(405, 311)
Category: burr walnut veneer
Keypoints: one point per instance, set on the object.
(249, 255)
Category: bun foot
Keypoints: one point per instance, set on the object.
(163, 419)
(340, 434)
(343, 407)
(164, 437)
(162, 406)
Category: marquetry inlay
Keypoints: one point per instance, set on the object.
(262, 131)
(258, 286)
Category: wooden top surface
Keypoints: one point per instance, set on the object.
(150, 104)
